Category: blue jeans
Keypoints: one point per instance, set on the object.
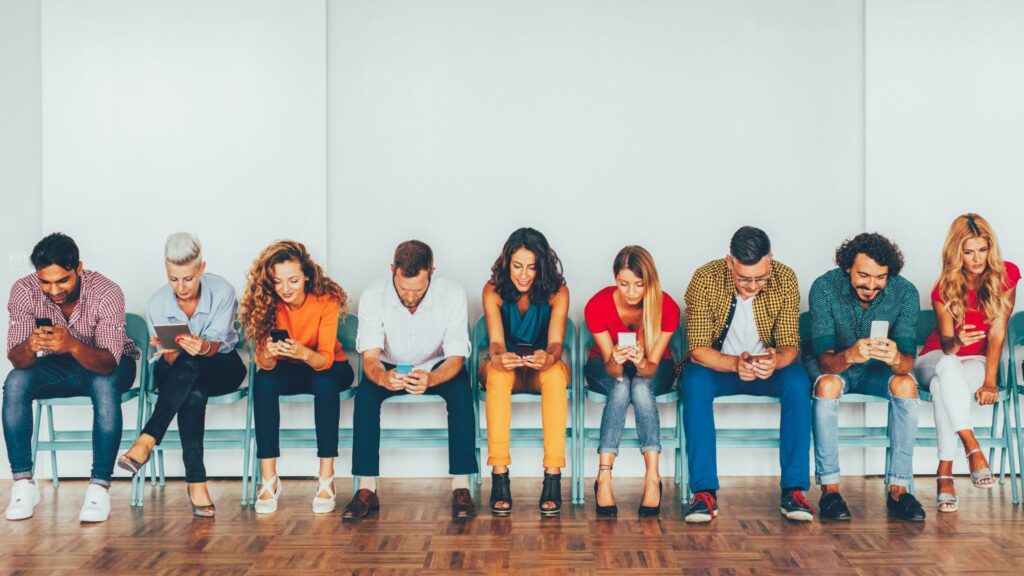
(631, 389)
(870, 378)
(701, 385)
(61, 376)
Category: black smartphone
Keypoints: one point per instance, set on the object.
(524, 350)
(278, 335)
(44, 323)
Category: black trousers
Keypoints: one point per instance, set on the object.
(461, 424)
(184, 388)
(289, 378)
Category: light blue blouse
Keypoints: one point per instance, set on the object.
(214, 318)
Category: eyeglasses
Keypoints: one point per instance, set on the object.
(743, 281)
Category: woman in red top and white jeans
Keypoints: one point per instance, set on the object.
(973, 299)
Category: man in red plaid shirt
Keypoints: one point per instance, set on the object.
(66, 338)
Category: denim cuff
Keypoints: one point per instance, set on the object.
(606, 450)
(651, 448)
(827, 479)
(895, 480)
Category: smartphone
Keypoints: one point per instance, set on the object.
(523, 350)
(44, 323)
(278, 335)
(627, 339)
(879, 329)
(759, 357)
(403, 369)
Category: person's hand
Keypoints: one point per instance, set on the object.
(965, 336)
(191, 344)
(37, 338)
(56, 339)
(291, 349)
(860, 352)
(393, 382)
(417, 382)
(987, 394)
(884, 350)
(508, 361)
(620, 354)
(765, 367)
(744, 368)
(538, 360)
(271, 349)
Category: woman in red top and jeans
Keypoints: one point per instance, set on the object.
(631, 373)
(973, 299)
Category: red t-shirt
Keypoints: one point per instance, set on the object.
(971, 316)
(601, 316)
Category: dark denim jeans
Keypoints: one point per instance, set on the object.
(61, 376)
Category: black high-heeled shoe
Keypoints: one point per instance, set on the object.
(501, 491)
(551, 492)
(651, 510)
(612, 510)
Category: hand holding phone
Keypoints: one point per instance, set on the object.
(44, 323)
(627, 339)
(278, 335)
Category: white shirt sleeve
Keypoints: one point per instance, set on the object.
(456, 332)
(370, 335)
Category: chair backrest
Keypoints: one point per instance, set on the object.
(135, 327)
(347, 331)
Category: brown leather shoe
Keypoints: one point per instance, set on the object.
(360, 506)
(462, 504)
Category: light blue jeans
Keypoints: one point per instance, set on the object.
(640, 392)
(870, 378)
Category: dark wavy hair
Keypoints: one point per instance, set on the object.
(549, 279)
(877, 247)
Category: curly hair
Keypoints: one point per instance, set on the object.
(549, 279)
(992, 296)
(258, 305)
(875, 246)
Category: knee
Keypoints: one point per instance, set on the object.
(555, 377)
(794, 381)
(697, 384)
(324, 386)
(194, 399)
(947, 365)
(17, 385)
(264, 384)
(495, 378)
(828, 387)
(903, 386)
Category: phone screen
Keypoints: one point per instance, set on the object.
(278, 335)
(627, 339)
(524, 349)
(44, 323)
(879, 329)
(403, 369)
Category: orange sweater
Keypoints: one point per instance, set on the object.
(314, 325)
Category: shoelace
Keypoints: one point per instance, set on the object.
(801, 500)
(704, 497)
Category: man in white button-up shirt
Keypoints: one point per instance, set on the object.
(414, 340)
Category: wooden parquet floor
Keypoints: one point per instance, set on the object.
(414, 534)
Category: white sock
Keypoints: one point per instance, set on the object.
(460, 482)
(368, 482)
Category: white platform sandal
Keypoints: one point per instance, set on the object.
(947, 502)
(982, 477)
(324, 505)
(268, 505)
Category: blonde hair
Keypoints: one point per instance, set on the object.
(992, 298)
(183, 248)
(639, 261)
(258, 307)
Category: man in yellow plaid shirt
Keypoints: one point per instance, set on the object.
(743, 326)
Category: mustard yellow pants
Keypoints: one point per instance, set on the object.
(501, 384)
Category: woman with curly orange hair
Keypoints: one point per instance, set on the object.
(290, 311)
(973, 299)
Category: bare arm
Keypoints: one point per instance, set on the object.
(23, 356)
(448, 369)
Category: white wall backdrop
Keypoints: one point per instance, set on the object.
(353, 125)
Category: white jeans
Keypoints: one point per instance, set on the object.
(952, 382)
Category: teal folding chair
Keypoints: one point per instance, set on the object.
(306, 437)
(530, 437)
(218, 439)
(78, 440)
(590, 437)
(1015, 338)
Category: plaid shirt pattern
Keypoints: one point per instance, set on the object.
(98, 319)
(710, 296)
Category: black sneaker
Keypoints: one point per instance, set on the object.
(703, 508)
(794, 506)
(833, 507)
(906, 508)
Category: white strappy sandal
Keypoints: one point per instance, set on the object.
(947, 502)
(982, 477)
(268, 505)
(324, 505)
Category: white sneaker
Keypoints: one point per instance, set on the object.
(268, 505)
(324, 505)
(24, 497)
(97, 504)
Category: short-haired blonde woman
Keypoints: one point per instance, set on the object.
(288, 291)
(631, 373)
(973, 300)
(203, 364)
